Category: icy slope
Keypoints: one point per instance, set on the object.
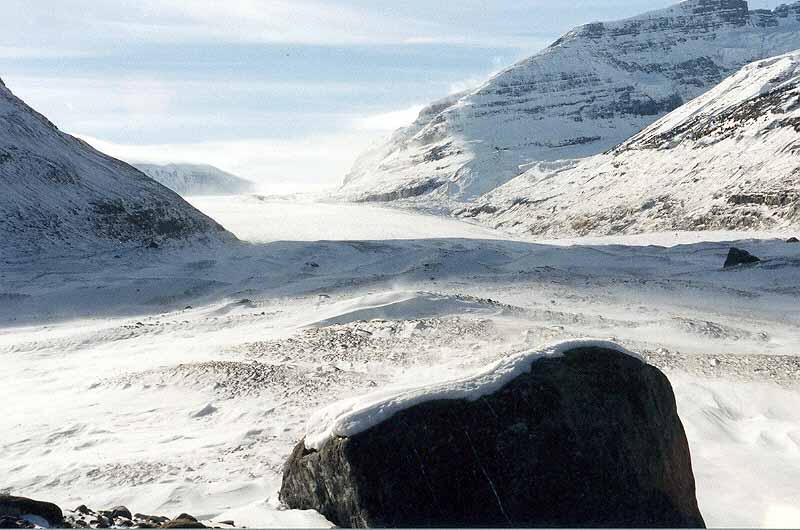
(591, 90)
(58, 193)
(727, 160)
(196, 179)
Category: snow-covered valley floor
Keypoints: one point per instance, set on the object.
(178, 382)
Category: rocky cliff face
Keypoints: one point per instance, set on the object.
(726, 160)
(59, 194)
(589, 91)
(196, 179)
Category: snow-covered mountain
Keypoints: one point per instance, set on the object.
(59, 193)
(196, 179)
(729, 159)
(589, 91)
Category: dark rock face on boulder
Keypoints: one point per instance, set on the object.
(589, 439)
(17, 507)
(738, 256)
(8, 521)
(793, 240)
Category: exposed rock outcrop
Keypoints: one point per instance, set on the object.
(737, 256)
(588, 436)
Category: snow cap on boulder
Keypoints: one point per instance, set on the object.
(352, 416)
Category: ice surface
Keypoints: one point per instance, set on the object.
(402, 305)
(268, 219)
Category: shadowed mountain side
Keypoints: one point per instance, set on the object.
(62, 196)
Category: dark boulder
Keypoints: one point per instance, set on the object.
(793, 240)
(101, 522)
(9, 521)
(18, 507)
(738, 256)
(121, 511)
(183, 523)
(589, 439)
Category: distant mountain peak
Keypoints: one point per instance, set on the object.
(196, 179)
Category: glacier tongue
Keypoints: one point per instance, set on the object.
(591, 90)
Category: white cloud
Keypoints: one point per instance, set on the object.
(16, 52)
(169, 21)
(389, 121)
(466, 84)
(278, 166)
(94, 24)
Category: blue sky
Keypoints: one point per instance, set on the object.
(285, 92)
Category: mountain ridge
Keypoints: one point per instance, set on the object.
(726, 160)
(61, 194)
(589, 91)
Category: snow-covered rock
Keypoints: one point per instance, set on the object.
(60, 194)
(726, 160)
(589, 91)
(352, 416)
(579, 434)
(196, 179)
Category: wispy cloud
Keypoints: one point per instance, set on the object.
(277, 166)
(312, 162)
(253, 21)
(16, 52)
(388, 121)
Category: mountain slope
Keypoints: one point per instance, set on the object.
(591, 90)
(730, 159)
(196, 179)
(59, 194)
